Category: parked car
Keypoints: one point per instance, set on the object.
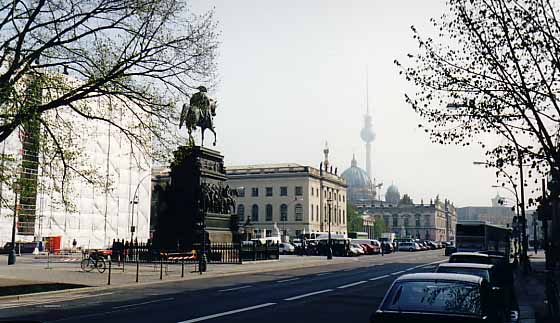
(286, 248)
(376, 245)
(409, 246)
(355, 250)
(370, 246)
(368, 249)
(500, 283)
(470, 257)
(438, 297)
(482, 270)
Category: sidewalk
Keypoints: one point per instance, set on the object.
(530, 291)
(71, 273)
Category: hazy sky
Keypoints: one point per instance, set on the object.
(292, 76)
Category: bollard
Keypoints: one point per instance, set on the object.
(183, 268)
(109, 279)
(137, 269)
(161, 268)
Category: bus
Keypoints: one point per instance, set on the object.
(473, 236)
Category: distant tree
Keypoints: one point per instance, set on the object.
(406, 200)
(354, 222)
(491, 75)
(379, 227)
(138, 58)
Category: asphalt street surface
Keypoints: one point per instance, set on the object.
(347, 292)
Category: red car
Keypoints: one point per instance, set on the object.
(368, 249)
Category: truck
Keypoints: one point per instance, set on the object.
(388, 237)
(473, 236)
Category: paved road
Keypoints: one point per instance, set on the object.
(345, 293)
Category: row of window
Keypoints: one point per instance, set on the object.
(269, 191)
(406, 221)
(298, 191)
(328, 194)
(298, 210)
(337, 215)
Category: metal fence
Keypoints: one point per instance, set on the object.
(217, 253)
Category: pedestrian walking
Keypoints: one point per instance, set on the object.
(382, 249)
(74, 244)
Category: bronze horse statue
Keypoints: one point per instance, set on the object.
(199, 113)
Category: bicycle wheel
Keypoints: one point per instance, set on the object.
(101, 265)
(87, 265)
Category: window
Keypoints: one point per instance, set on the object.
(269, 233)
(269, 191)
(283, 212)
(268, 212)
(241, 192)
(255, 191)
(299, 212)
(299, 191)
(255, 213)
(317, 212)
(386, 219)
(427, 221)
(406, 222)
(283, 191)
(418, 222)
(312, 213)
(312, 191)
(343, 198)
(395, 221)
(241, 212)
(343, 217)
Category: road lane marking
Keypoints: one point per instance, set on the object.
(208, 317)
(287, 280)
(353, 284)
(321, 274)
(144, 303)
(398, 272)
(307, 295)
(379, 277)
(234, 288)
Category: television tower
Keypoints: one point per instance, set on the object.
(367, 133)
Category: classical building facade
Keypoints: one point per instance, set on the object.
(288, 199)
(433, 221)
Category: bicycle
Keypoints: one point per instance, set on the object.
(93, 261)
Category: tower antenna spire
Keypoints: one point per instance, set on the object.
(367, 90)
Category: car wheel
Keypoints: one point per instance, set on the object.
(410, 250)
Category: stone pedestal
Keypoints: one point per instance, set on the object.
(182, 217)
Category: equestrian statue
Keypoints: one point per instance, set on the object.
(199, 113)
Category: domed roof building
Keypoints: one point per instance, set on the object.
(360, 188)
(392, 196)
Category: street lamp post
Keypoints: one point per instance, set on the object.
(515, 222)
(329, 249)
(133, 202)
(12, 254)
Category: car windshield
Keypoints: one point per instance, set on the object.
(434, 297)
(467, 271)
(470, 260)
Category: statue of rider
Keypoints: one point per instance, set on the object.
(201, 100)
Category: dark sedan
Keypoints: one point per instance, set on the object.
(438, 297)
